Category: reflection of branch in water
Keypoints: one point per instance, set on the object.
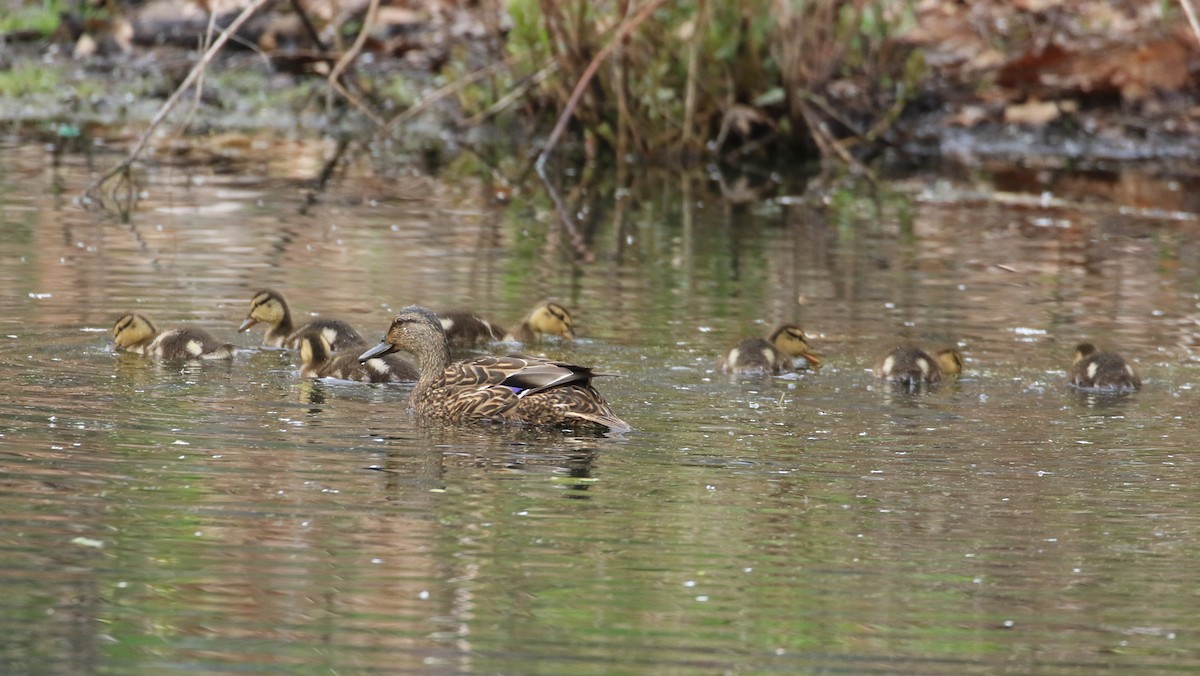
(91, 194)
(577, 240)
(310, 196)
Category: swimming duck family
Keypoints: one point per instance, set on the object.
(515, 388)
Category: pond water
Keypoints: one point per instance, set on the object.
(229, 518)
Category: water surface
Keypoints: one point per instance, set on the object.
(229, 518)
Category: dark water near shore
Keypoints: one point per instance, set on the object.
(229, 518)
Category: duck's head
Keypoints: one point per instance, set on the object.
(266, 306)
(314, 348)
(1083, 351)
(790, 340)
(551, 319)
(132, 329)
(413, 327)
(951, 361)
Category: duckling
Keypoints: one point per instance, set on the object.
(465, 328)
(270, 307)
(515, 389)
(318, 361)
(770, 355)
(1093, 369)
(137, 334)
(911, 366)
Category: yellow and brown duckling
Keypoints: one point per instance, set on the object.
(269, 307)
(1102, 371)
(911, 367)
(317, 360)
(770, 355)
(512, 389)
(137, 334)
(465, 328)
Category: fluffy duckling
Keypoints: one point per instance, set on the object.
(270, 307)
(465, 328)
(911, 366)
(1102, 370)
(318, 361)
(516, 388)
(770, 355)
(137, 334)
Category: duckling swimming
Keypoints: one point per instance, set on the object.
(318, 361)
(516, 388)
(1093, 369)
(270, 307)
(910, 366)
(465, 328)
(771, 355)
(137, 334)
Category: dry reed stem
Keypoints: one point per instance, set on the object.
(624, 29)
(348, 57)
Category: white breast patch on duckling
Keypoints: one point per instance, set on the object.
(379, 366)
(330, 334)
(194, 348)
(769, 355)
(921, 362)
(888, 364)
(447, 324)
(733, 356)
(1092, 368)
(1129, 369)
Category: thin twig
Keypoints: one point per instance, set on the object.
(170, 103)
(689, 100)
(507, 100)
(1191, 17)
(308, 27)
(588, 73)
(343, 62)
(439, 94)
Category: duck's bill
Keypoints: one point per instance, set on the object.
(814, 359)
(569, 334)
(249, 321)
(377, 351)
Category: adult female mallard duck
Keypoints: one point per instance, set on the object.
(270, 307)
(135, 333)
(770, 355)
(515, 388)
(1102, 371)
(318, 361)
(465, 328)
(910, 366)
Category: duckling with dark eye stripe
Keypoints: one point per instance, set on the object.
(137, 334)
(1097, 370)
(269, 306)
(465, 328)
(910, 366)
(318, 361)
(771, 355)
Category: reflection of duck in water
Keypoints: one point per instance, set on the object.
(770, 355)
(318, 361)
(135, 333)
(1102, 371)
(270, 307)
(515, 388)
(910, 366)
(465, 328)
